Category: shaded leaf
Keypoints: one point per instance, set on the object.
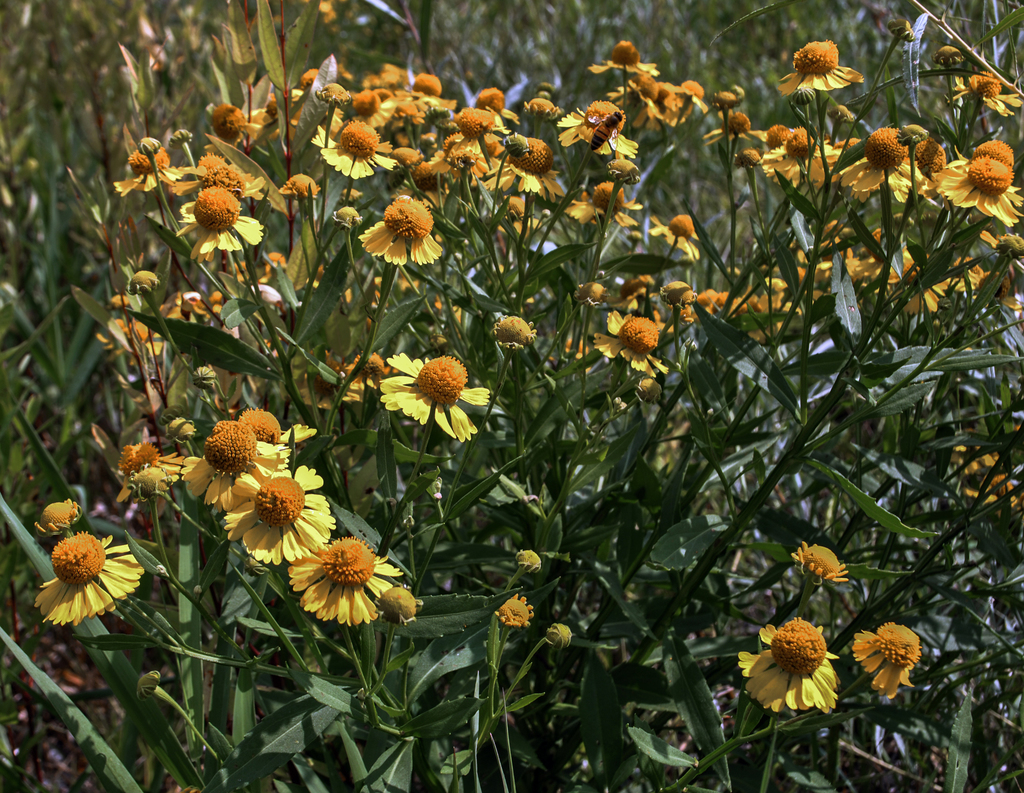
(683, 543)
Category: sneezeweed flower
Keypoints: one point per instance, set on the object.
(517, 212)
(477, 128)
(398, 606)
(795, 670)
(885, 161)
(625, 56)
(678, 232)
(542, 108)
(300, 186)
(693, 94)
(817, 66)
(228, 122)
(433, 386)
(276, 516)
(632, 293)
(515, 612)
(215, 214)
(404, 234)
(633, 338)
(739, 127)
(513, 333)
(267, 428)
(581, 125)
(263, 120)
(984, 183)
(590, 206)
(90, 576)
(894, 648)
(231, 450)
(493, 99)
(138, 456)
(678, 293)
(356, 152)
(997, 150)
(212, 170)
(821, 563)
(366, 105)
(333, 581)
(989, 90)
(144, 179)
(533, 170)
(369, 377)
(58, 517)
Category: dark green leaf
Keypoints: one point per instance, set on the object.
(325, 297)
(467, 495)
(682, 544)
(1007, 22)
(236, 311)
(753, 15)
(558, 257)
(960, 747)
(395, 319)
(787, 265)
(609, 579)
(807, 779)
(297, 41)
(799, 200)
(177, 244)
(446, 655)
(442, 720)
(243, 54)
(657, 749)
(118, 641)
(392, 771)
(846, 298)
(269, 47)
(324, 692)
(600, 720)
(442, 615)
(849, 157)
(387, 466)
(355, 525)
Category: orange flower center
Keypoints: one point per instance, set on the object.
(359, 139)
(681, 226)
(264, 425)
(599, 110)
(307, 79)
(442, 379)
(230, 447)
(366, 103)
(140, 165)
(639, 334)
(796, 144)
(739, 124)
(424, 178)
(603, 195)
(538, 160)
(883, 150)
(299, 185)
(60, 514)
(136, 457)
(348, 562)
(900, 645)
(821, 561)
(474, 122)
(777, 135)
(216, 209)
(279, 501)
(798, 648)
(996, 149)
(985, 85)
(427, 84)
(228, 121)
(625, 54)
(492, 99)
(818, 57)
(408, 219)
(374, 367)
(930, 156)
(78, 559)
(646, 85)
(407, 157)
(990, 176)
(515, 613)
(634, 287)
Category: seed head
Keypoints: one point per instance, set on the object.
(624, 171)
(204, 378)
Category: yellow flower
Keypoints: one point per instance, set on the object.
(436, 386)
(215, 213)
(817, 66)
(885, 159)
(789, 157)
(625, 56)
(276, 516)
(366, 105)
(145, 179)
(895, 648)
(580, 126)
(228, 122)
(213, 170)
(137, 456)
(819, 561)
(633, 337)
(982, 182)
(533, 170)
(58, 516)
(678, 233)
(997, 150)
(300, 186)
(989, 90)
(405, 221)
(515, 613)
(794, 670)
(231, 449)
(263, 120)
(89, 579)
(267, 428)
(332, 581)
(357, 150)
(493, 99)
(590, 205)
(739, 127)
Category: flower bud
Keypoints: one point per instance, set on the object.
(334, 94)
(591, 293)
(725, 100)
(513, 333)
(624, 171)
(678, 293)
(398, 606)
(748, 158)
(147, 483)
(912, 133)
(147, 685)
(204, 378)
(143, 282)
(542, 107)
(57, 517)
(149, 146)
(181, 429)
(1011, 245)
(739, 92)
(648, 390)
(901, 30)
(802, 96)
(528, 561)
(840, 114)
(947, 56)
(558, 636)
(438, 116)
(254, 567)
(439, 343)
(347, 217)
(180, 139)
(517, 145)
(548, 88)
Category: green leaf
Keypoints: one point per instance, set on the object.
(787, 265)
(446, 655)
(693, 698)
(314, 109)
(680, 546)
(392, 771)
(753, 15)
(960, 747)
(324, 300)
(871, 508)
(298, 39)
(324, 692)
(867, 573)
(269, 46)
(908, 473)
(600, 720)
(272, 743)
(442, 615)
(442, 720)
(659, 750)
(705, 240)
(609, 456)
(847, 308)
(815, 724)
(177, 244)
(237, 311)
(912, 61)
(558, 257)
(1007, 22)
(609, 579)
(149, 562)
(118, 641)
(468, 494)
(213, 344)
(355, 525)
(748, 358)
(797, 199)
(387, 466)
(807, 779)
(243, 54)
(112, 774)
(395, 319)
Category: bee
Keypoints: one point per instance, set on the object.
(605, 130)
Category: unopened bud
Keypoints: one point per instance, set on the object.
(947, 56)
(901, 30)
(802, 96)
(739, 92)
(840, 114)
(181, 429)
(180, 139)
(347, 217)
(558, 636)
(439, 343)
(204, 378)
(1011, 245)
(143, 282)
(408, 522)
(624, 171)
(197, 591)
(57, 517)
(590, 293)
(710, 414)
(748, 158)
(648, 390)
(725, 100)
(438, 116)
(398, 606)
(528, 561)
(146, 483)
(149, 146)
(332, 93)
(147, 685)
(912, 134)
(678, 293)
(517, 145)
(548, 87)
(514, 333)
(254, 567)
(435, 487)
